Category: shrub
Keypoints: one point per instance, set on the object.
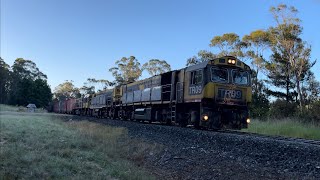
(259, 107)
(314, 110)
(281, 109)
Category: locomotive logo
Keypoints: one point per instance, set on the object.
(195, 90)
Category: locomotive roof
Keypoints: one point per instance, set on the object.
(197, 66)
(223, 61)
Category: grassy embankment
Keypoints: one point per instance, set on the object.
(43, 146)
(285, 127)
(19, 109)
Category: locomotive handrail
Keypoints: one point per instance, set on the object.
(179, 91)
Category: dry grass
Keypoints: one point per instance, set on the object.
(43, 146)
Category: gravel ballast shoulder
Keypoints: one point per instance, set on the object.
(196, 154)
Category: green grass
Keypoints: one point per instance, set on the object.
(4, 107)
(10, 108)
(43, 146)
(285, 127)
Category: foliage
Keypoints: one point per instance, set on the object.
(193, 60)
(311, 88)
(156, 66)
(66, 90)
(257, 42)
(203, 55)
(228, 44)
(314, 109)
(281, 109)
(5, 81)
(93, 84)
(287, 44)
(85, 89)
(260, 104)
(280, 76)
(24, 83)
(127, 70)
(27, 69)
(37, 92)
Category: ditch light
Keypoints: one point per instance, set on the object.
(248, 120)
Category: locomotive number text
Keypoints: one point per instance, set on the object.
(195, 90)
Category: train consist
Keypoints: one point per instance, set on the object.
(213, 94)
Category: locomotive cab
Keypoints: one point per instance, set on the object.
(222, 88)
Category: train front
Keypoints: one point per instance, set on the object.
(227, 94)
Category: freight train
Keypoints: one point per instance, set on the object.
(214, 94)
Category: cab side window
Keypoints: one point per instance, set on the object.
(196, 77)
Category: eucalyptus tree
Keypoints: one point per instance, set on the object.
(101, 83)
(203, 55)
(126, 70)
(286, 44)
(193, 60)
(156, 66)
(228, 44)
(257, 42)
(66, 90)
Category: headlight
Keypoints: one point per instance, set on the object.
(248, 120)
(205, 117)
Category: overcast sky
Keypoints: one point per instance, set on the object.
(78, 39)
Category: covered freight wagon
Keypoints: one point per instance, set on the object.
(70, 105)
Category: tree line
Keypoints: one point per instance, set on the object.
(282, 81)
(283, 84)
(281, 63)
(126, 70)
(23, 83)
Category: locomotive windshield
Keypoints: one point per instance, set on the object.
(240, 77)
(219, 75)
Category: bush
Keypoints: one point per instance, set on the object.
(259, 107)
(282, 109)
(314, 111)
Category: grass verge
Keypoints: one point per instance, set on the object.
(42, 146)
(285, 127)
(4, 107)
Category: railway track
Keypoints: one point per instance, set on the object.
(236, 132)
(280, 138)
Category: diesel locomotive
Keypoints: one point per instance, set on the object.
(214, 94)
